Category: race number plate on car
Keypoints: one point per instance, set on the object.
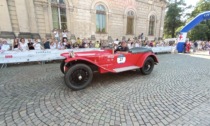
(121, 59)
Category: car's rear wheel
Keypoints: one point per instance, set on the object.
(62, 66)
(148, 66)
(78, 76)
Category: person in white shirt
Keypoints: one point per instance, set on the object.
(23, 45)
(130, 44)
(37, 45)
(5, 46)
(56, 34)
(61, 46)
(137, 44)
(53, 45)
(64, 34)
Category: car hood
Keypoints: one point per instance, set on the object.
(86, 53)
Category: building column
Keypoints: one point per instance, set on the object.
(162, 22)
(22, 15)
(31, 16)
(47, 15)
(5, 24)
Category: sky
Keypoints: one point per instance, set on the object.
(191, 2)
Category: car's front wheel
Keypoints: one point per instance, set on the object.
(78, 76)
(148, 66)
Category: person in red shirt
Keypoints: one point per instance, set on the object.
(188, 47)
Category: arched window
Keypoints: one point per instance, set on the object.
(151, 25)
(59, 14)
(100, 19)
(130, 22)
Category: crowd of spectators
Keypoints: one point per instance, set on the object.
(190, 46)
(57, 43)
(60, 41)
(203, 45)
(39, 44)
(63, 43)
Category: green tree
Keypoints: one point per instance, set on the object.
(199, 32)
(173, 17)
(201, 6)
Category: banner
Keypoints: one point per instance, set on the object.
(47, 55)
(35, 55)
(163, 49)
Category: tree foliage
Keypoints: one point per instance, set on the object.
(173, 17)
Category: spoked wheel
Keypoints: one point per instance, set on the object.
(148, 66)
(78, 76)
(62, 66)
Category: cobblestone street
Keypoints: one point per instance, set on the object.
(177, 92)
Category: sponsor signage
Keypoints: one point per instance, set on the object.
(206, 16)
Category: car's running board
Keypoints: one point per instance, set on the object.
(117, 70)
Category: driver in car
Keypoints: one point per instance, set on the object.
(123, 48)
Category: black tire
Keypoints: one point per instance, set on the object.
(148, 66)
(62, 66)
(78, 76)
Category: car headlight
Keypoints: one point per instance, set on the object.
(71, 54)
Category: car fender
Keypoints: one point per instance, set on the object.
(101, 68)
(141, 60)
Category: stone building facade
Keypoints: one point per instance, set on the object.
(95, 19)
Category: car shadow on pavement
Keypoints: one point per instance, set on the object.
(112, 78)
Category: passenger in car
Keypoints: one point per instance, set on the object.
(123, 48)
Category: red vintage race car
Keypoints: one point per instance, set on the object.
(78, 67)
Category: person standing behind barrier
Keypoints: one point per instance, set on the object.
(203, 45)
(91, 44)
(208, 47)
(53, 44)
(130, 43)
(151, 44)
(56, 34)
(23, 44)
(61, 46)
(68, 45)
(15, 44)
(195, 46)
(30, 45)
(64, 41)
(79, 42)
(5, 46)
(37, 45)
(64, 34)
(97, 44)
(188, 47)
(46, 44)
(84, 43)
(137, 43)
(0, 43)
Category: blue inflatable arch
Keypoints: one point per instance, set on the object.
(183, 33)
